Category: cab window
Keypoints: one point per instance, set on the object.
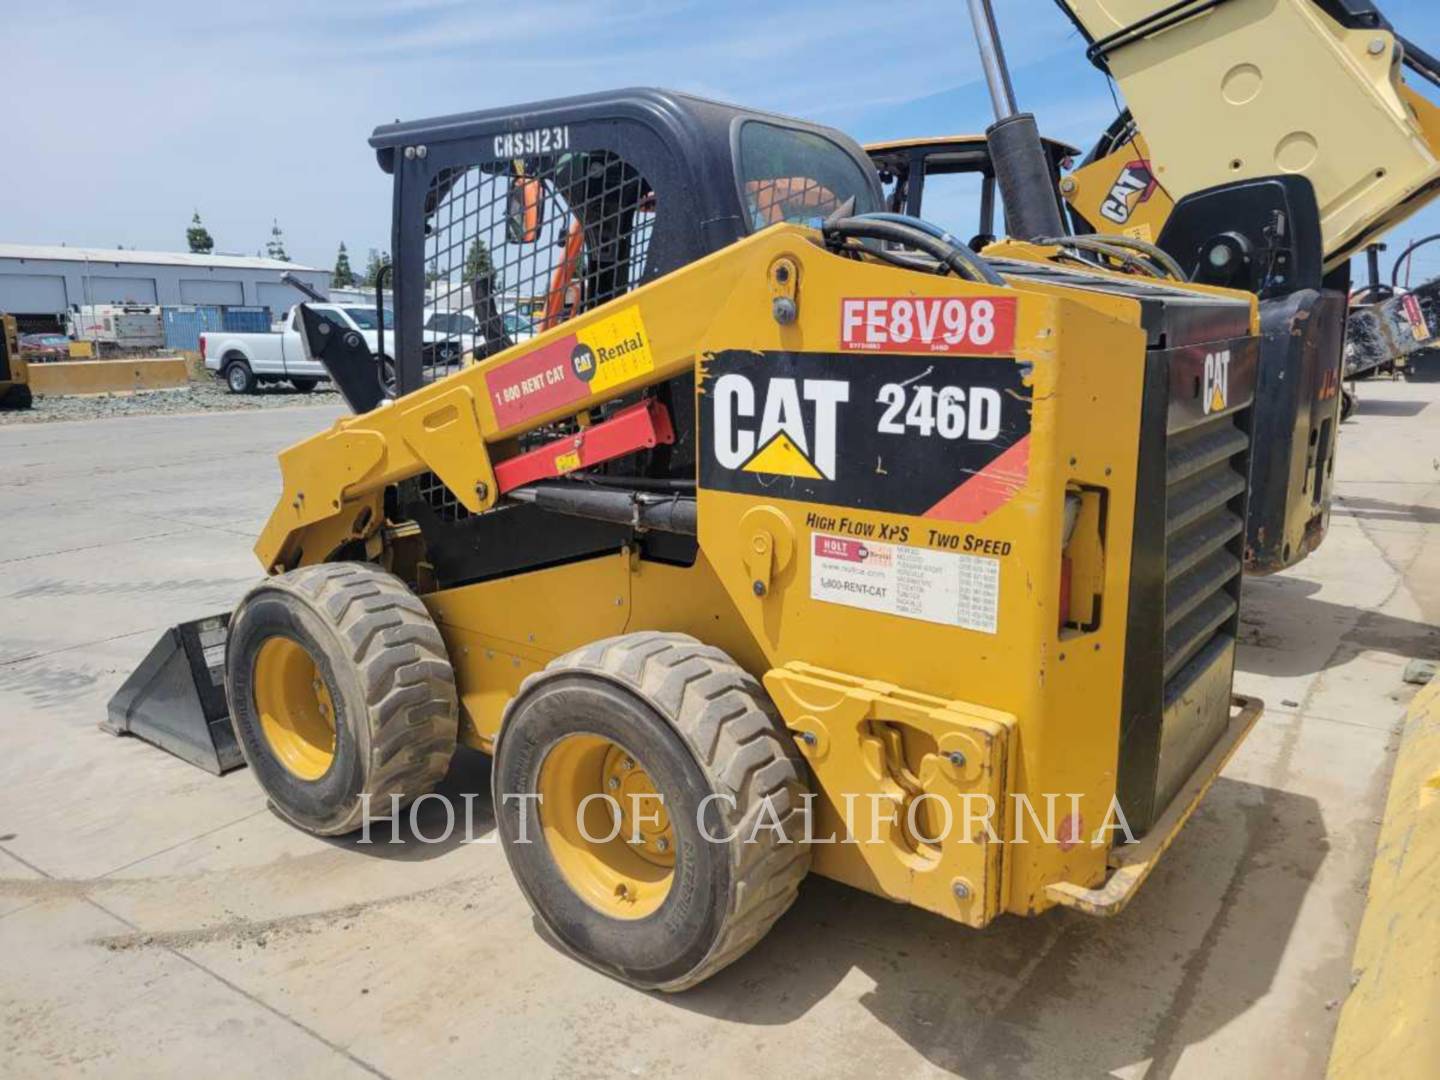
(797, 177)
(955, 200)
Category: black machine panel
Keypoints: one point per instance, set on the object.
(1262, 236)
(1194, 458)
(1200, 383)
(895, 433)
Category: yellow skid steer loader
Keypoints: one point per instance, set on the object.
(787, 536)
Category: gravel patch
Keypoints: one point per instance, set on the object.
(195, 398)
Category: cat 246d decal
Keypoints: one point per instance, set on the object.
(937, 436)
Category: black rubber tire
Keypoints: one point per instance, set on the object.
(238, 377)
(388, 675)
(304, 385)
(700, 725)
(17, 397)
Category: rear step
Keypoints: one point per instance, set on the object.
(176, 700)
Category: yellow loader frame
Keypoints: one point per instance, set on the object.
(894, 714)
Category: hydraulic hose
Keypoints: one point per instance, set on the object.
(1155, 262)
(1405, 257)
(1420, 61)
(918, 235)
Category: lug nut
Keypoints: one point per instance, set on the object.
(961, 890)
(613, 783)
(628, 763)
(809, 738)
(662, 844)
(957, 759)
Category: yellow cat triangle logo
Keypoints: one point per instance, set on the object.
(781, 457)
(1217, 399)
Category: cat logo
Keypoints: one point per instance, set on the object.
(1215, 389)
(1135, 184)
(796, 434)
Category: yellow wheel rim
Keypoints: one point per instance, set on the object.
(296, 712)
(607, 828)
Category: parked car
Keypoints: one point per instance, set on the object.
(517, 327)
(44, 347)
(246, 361)
(449, 336)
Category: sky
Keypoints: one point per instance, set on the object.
(125, 119)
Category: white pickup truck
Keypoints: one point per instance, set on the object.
(246, 361)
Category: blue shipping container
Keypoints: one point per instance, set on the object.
(246, 320)
(184, 325)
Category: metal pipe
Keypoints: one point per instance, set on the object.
(289, 278)
(987, 206)
(640, 511)
(380, 278)
(992, 59)
(1372, 258)
(1405, 259)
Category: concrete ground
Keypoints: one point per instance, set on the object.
(155, 920)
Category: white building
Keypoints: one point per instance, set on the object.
(40, 280)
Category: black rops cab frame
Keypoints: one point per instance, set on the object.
(509, 221)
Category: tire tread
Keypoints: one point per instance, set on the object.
(403, 670)
(741, 744)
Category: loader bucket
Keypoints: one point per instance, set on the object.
(176, 700)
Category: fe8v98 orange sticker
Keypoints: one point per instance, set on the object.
(970, 326)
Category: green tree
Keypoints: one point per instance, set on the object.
(374, 263)
(343, 277)
(275, 247)
(198, 237)
(479, 264)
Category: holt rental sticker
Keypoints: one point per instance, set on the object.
(914, 583)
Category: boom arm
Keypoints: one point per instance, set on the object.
(456, 428)
(1226, 90)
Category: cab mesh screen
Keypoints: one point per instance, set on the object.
(517, 247)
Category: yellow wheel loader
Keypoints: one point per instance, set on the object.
(793, 537)
(14, 372)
